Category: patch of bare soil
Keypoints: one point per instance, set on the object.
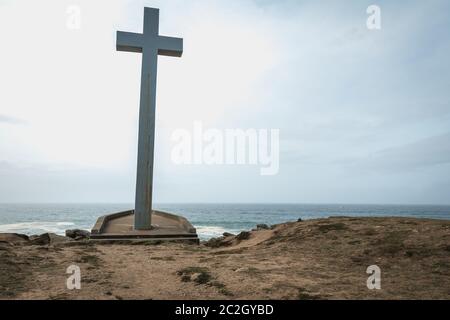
(314, 259)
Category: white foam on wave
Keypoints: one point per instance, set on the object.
(207, 232)
(36, 227)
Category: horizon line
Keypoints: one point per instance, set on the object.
(226, 203)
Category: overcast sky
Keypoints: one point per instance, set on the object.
(364, 115)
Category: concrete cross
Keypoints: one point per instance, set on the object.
(150, 44)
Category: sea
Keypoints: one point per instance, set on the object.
(211, 220)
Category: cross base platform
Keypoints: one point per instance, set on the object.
(165, 227)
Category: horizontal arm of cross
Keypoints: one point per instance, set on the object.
(129, 41)
(169, 46)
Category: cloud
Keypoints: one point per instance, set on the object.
(11, 120)
(26, 182)
(421, 154)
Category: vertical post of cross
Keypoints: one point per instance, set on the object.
(150, 44)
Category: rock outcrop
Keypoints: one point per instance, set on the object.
(244, 235)
(13, 238)
(48, 238)
(78, 234)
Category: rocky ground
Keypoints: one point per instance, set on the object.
(315, 259)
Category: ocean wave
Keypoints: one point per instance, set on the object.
(30, 228)
(207, 232)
